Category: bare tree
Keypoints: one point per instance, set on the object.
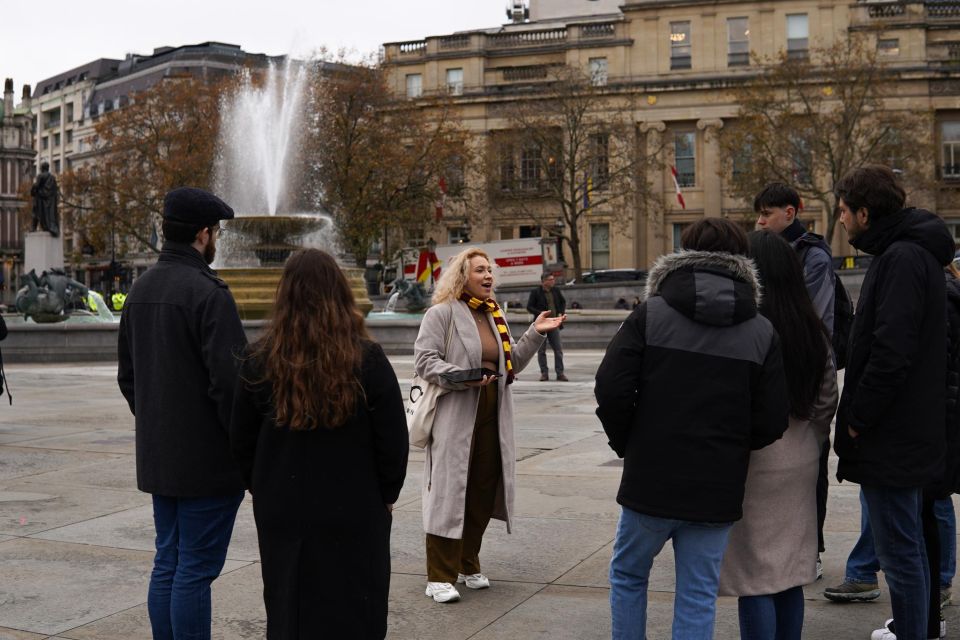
(378, 161)
(568, 153)
(809, 121)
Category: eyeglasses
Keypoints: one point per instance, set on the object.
(218, 230)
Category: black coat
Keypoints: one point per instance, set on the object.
(894, 387)
(951, 478)
(319, 501)
(692, 382)
(179, 337)
(537, 302)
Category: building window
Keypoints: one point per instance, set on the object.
(802, 162)
(888, 46)
(69, 136)
(680, 45)
(741, 160)
(530, 168)
(44, 143)
(599, 161)
(529, 231)
(56, 139)
(598, 71)
(69, 112)
(738, 42)
(950, 138)
(458, 235)
(454, 82)
(506, 233)
(685, 157)
(56, 166)
(508, 168)
(678, 229)
(414, 85)
(600, 246)
(798, 36)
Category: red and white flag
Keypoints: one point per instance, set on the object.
(676, 184)
(443, 199)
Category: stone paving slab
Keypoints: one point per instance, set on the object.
(78, 566)
(31, 507)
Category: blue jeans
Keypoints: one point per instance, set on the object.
(192, 539)
(775, 617)
(698, 550)
(862, 565)
(947, 523)
(553, 338)
(895, 518)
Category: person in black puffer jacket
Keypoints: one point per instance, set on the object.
(692, 382)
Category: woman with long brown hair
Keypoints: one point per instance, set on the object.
(469, 469)
(319, 432)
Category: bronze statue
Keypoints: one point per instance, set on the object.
(45, 194)
(412, 293)
(49, 297)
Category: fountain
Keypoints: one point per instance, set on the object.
(258, 143)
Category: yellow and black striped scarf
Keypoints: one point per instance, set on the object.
(490, 306)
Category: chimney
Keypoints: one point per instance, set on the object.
(26, 100)
(8, 96)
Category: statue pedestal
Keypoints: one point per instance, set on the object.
(42, 252)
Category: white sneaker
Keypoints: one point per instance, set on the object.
(442, 592)
(474, 581)
(887, 632)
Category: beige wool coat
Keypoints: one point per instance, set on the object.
(448, 454)
(774, 546)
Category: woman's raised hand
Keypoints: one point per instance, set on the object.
(545, 324)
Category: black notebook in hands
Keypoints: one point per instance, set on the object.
(468, 375)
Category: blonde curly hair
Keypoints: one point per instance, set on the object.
(453, 278)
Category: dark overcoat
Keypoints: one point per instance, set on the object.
(894, 391)
(180, 335)
(319, 501)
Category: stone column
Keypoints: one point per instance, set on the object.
(651, 231)
(711, 180)
(42, 252)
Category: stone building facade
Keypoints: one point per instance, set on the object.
(676, 59)
(16, 174)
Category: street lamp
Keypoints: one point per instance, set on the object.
(559, 227)
(431, 245)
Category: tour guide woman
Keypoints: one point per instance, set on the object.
(319, 432)
(468, 475)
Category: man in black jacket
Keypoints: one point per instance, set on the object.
(546, 298)
(692, 382)
(890, 424)
(179, 334)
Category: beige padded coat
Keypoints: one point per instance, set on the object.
(774, 546)
(448, 454)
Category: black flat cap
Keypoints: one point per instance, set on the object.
(195, 206)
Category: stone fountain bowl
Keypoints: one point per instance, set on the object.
(273, 238)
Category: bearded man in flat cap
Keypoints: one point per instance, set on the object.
(179, 335)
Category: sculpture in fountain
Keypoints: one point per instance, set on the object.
(49, 296)
(257, 148)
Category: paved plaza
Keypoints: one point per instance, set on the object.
(76, 536)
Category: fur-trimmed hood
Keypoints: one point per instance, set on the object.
(710, 287)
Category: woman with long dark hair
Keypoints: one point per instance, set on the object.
(319, 431)
(771, 550)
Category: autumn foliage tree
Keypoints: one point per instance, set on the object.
(807, 121)
(377, 161)
(164, 138)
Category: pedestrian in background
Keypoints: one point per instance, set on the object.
(179, 338)
(320, 435)
(547, 298)
(768, 558)
(692, 382)
(469, 471)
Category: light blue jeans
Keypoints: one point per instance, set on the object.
(698, 551)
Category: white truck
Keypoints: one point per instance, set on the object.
(515, 262)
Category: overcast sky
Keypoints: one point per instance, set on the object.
(40, 40)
